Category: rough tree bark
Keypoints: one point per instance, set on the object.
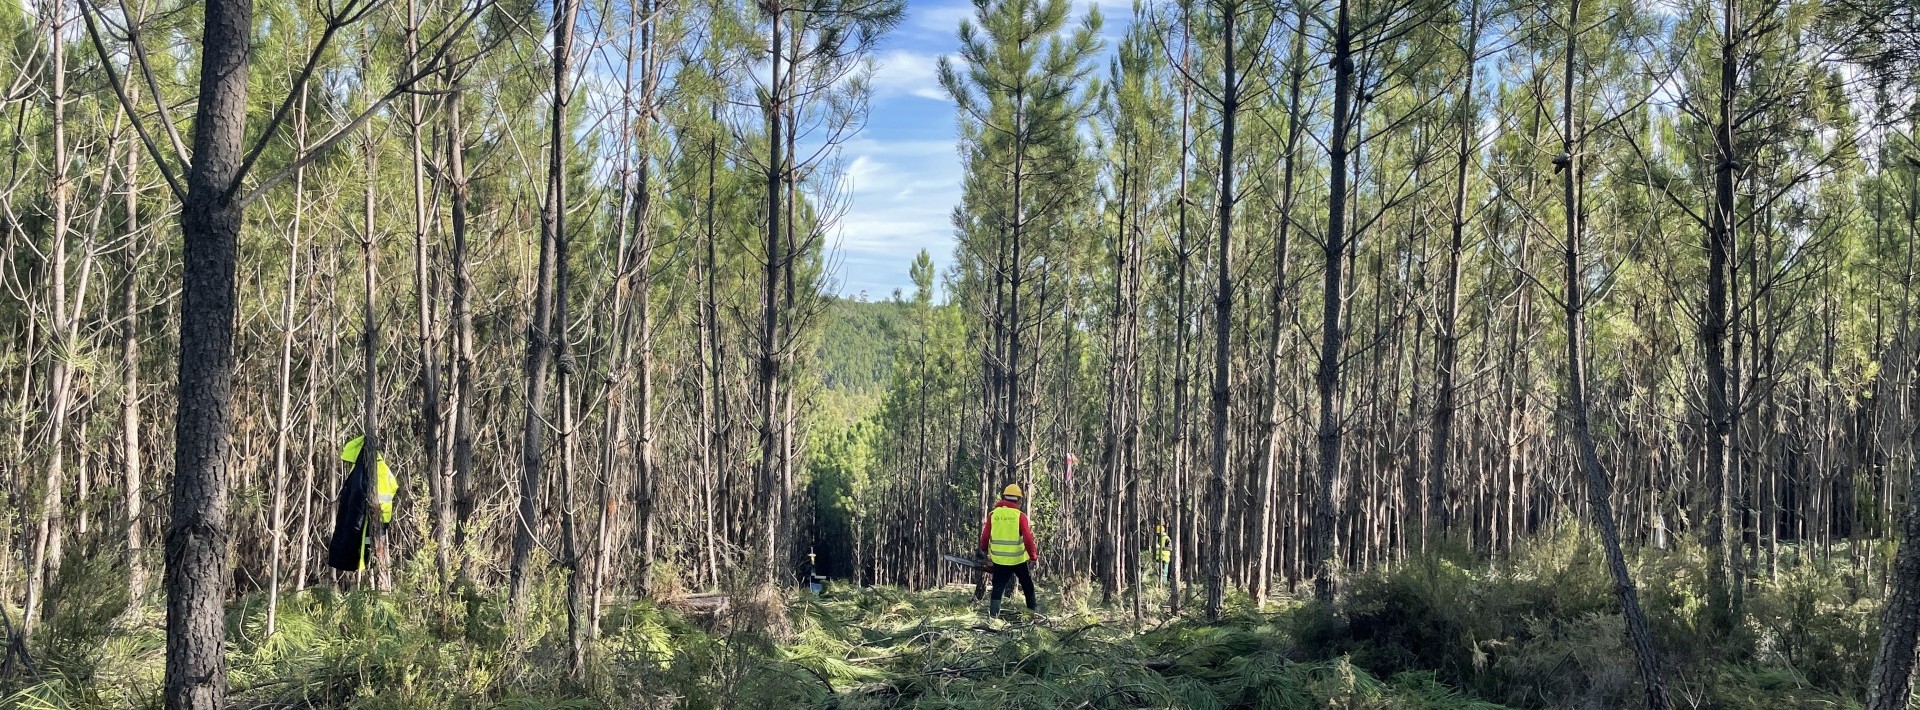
(210, 218)
(1326, 514)
(707, 356)
(1599, 488)
(769, 352)
(1108, 560)
(570, 556)
(542, 332)
(131, 455)
(61, 326)
(614, 431)
(462, 402)
(433, 466)
(1182, 528)
(1891, 685)
(1016, 278)
(1439, 465)
(1278, 311)
(1223, 317)
(370, 355)
(314, 450)
(1713, 336)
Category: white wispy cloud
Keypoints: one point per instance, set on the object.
(1115, 17)
(903, 192)
(942, 19)
(901, 72)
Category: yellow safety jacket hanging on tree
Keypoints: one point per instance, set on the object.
(352, 536)
(386, 485)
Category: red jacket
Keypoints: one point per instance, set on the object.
(1026, 531)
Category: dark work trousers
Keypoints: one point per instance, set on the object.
(1004, 573)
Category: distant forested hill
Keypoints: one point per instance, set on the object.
(855, 352)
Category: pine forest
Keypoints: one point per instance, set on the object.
(1358, 354)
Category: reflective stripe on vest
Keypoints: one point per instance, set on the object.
(384, 487)
(1007, 547)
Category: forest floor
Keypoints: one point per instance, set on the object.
(1537, 629)
(882, 649)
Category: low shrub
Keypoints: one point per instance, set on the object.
(1536, 628)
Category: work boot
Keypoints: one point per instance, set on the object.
(993, 609)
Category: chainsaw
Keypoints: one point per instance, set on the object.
(965, 562)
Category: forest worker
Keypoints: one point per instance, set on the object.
(1163, 551)
(1007, 539)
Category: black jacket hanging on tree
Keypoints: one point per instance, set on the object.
(347, 551)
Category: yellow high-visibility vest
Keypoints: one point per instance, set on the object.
(1166, 549)
(384, 483)
(1005, 546)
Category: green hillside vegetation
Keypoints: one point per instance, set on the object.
(857, 343)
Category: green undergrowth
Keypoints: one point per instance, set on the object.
(1537, 628)
(1542, 628)
(886, 649)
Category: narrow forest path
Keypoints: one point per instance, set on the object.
(884, 648)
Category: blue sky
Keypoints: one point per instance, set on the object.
(904, 169)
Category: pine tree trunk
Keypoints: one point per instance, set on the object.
(1136, 405)
(1016, 276)
(709, 368)
(1223, 320)
(643, 294)
(615, 433)
(61, 333)
(1439, 465)
(210, 221)
(1332, 338)
(370, 450)
(1891, 685)
(433, 466)
(543, 333)
(283, 418)
(569, 562)
(1111, 458)
(1183, 525)
(768, 398)
(463, 356)
(1713, 334)
(789, 523)
(131, 456)
(1278, 311)
(1599, 488)
(314, 448)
